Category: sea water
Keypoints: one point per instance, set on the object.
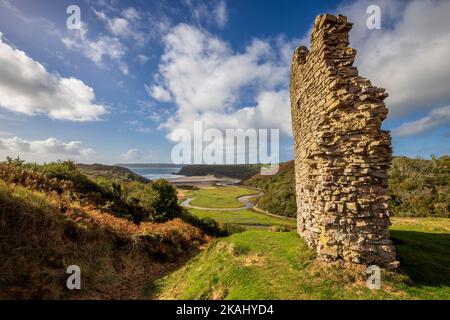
(154, 173)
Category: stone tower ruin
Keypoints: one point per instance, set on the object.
(341, 153)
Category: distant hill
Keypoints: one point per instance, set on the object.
(237, 171)
(279, 197)
(153, 165)
(417, 187)
(96, 170)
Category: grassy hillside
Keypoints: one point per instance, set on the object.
(247, 266)
(279, 197)
(237, 171)
(121, 174)
(53, 216)
(418, 188)
(40, 235)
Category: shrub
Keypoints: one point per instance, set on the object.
(231, 228)
(210, 226)
(187, 187)
(158, 197)
(67, 171)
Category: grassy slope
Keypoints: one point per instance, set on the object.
(279, 197)
(40, 236)
(52, 216)
(95, 171)
(259, 264)
(219, 197)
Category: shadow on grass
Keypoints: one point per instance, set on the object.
(424, 257)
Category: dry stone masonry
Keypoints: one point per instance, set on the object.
(341, 154)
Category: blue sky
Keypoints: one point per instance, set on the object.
(116, 89)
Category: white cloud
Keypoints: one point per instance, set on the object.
(131, 14)
(142, 59)
(220, 11)
(48, 146)
(159, 93)
(27, 87)
(105, 47)
(409, 56)
(208, 81)
(124, 68)
(139, 126)
(436, 118)
(126, 27)
(132, 154)
(119, 26)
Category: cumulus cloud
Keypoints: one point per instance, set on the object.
(409, 55)
(209, 81)
(436, 118)
(27, 87)
(48, 146)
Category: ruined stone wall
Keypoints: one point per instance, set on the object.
(341, 154)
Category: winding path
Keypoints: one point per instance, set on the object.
(243, 199)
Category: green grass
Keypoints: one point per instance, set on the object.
(219, 197)
(260, 264)
(243, 217)
(423, 249)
